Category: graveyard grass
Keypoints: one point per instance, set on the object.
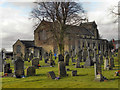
(85, 78)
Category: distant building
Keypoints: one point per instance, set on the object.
(25, 48)
(77, 37)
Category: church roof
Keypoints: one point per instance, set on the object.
(72, 29)
(79, 30)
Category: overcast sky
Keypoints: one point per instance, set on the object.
(14, 22)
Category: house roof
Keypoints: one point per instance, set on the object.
(28, 43)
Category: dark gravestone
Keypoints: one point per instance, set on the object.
(66, 61)
(61, 69)
(19, 67)
(40, 57)
(51, 75)
(80, 55)
(101, 59)
(31, 71)
(111, 63)
(74, 73)
(60, 57)
(46, 60)
(35, 63)
(7, 68)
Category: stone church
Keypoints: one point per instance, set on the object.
(77, 37)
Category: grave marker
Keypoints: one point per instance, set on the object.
(19, 67)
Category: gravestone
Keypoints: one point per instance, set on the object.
(84, 55)
(97, 68)
(80, 55)
(66, 61)
(74, 73)
(88, 62)
(106, 63)
(35, 63)
(60, 57)
(46, 58)
(51, 75)
(77, 65)
(19, 67)
(31, 71)
(7, 68)
(41, 57)
(61, 69)
(111, 63)
(51, 59)
(101, 59)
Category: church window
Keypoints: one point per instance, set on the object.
(18, 49)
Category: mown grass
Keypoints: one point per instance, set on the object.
(85, 78)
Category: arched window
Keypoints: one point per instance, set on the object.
(18, 49)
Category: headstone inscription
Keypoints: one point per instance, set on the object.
(19, 67)
(51, 75)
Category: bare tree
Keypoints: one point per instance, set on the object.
(61, 14)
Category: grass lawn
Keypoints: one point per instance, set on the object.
(85, 78)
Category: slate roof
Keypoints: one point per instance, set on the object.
(28, 43)
(79, 30)
(72, 29)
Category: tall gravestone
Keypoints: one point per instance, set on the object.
(80, 55)
(35, 62)
(88, 62)
(61, 66)
(46, 57)
(77, 65)
(97, 67)
(19, 67)
(51, 59)
(106, 61)
(66, 60)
